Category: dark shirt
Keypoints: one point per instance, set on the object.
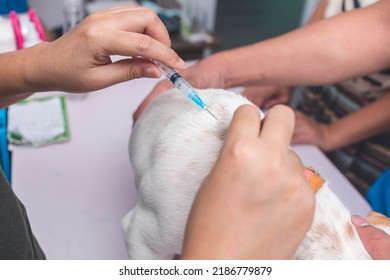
(17, 241)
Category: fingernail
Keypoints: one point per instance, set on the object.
(359, 221)
(182, 63)
(150, 73)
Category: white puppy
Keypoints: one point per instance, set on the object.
(173, 146)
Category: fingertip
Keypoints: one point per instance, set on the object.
(246, 121)
(248, 108)
(284, 109)
(151, 72)
(359, 221)
(283, 112)
(182, 63)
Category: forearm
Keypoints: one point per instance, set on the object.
(361, 125)
(327, 51)
(13, 77)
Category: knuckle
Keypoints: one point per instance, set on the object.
(150, 15)
(144, 43)
(91, 31)
(240, 151)
(133, 73)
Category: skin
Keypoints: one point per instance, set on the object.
(375, 240)
(344, 131)
(80, 60)
(266, 97)
(327, 137)
(281, 209)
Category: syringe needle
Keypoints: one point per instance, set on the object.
(210, 113)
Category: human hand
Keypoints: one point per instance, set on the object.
(308, 131)
(266, 97)
(256, 202)
(80, 60)
(376, 241)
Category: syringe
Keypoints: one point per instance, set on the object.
(182, 85)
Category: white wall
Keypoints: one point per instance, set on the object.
(50, 11)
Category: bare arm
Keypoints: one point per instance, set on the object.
(355, 127)
(80, 60)
(362, 124)
(348, 45)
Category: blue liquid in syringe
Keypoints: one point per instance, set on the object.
(182, 85)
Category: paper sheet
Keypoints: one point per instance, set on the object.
(38, 121)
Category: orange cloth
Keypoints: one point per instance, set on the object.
(315, 180)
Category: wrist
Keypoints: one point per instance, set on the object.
(215, 66)
(35, 73)
(330, 138)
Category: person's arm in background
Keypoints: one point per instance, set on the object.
(348, 45)
(245, 208)
(266, 97)
(362, 124)
(80, 60)
(335, 49)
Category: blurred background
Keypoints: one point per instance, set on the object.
(232, 23)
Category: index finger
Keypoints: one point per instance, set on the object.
(245, 123)
(135, 32)
(138, 19)
(278, 126)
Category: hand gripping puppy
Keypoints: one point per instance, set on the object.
(173, 147)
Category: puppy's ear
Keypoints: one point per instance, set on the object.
(378, 219)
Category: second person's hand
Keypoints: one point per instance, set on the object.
(256, 202)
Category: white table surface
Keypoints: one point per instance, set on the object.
(76, 193)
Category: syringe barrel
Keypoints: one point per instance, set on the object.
(165, 69)
(182, 85)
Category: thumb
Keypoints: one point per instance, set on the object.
(375, 240)
(126, 69)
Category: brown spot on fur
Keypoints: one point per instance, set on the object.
(320, 230)
(349, 230)
(378, 219)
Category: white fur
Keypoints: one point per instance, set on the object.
(173, 146)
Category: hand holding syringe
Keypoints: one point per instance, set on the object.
(182, 85)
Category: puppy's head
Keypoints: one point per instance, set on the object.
(174, 135)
